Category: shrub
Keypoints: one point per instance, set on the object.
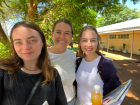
(4, 50)
(124, 46)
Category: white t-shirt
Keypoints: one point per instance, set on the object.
(86, 78)
(65, 64)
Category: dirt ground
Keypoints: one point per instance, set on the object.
(127, 69)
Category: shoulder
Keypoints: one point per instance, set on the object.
(79, 60)
(49, 50)
(1, 72)
(70, 51)
(106, 65)
(104, 62)
(56, 73)
(109, 68)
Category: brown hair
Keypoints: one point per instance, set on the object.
(64, 21)
(13, 63)
(92, 28)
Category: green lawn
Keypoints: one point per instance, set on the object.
(75, 48)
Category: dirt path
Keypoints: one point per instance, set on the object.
(128, 69)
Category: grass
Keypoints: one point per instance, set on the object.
(75, 47)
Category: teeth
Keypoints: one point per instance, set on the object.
(61, 41)
(88, 49)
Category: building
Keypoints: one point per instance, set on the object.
(116, 35)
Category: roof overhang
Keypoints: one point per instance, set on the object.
(119, 30)
(130, 25)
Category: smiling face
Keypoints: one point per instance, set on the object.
(27, 43)
(62, 35)
(89, 42)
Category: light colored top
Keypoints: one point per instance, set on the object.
(65, 64)
(86, 78)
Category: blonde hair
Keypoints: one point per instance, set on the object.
(92, 28)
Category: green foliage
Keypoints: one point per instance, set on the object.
(111, 47)
(100, 22)
(4, 50)
(73, 49)
(79, 12)
(121, 50)
(122, 13)
(139, 49)
(124, 46)
(139, 13)
(71, 10)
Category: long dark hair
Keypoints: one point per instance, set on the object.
(92, 28)
(14, 62)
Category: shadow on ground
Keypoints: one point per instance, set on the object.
(128, 69)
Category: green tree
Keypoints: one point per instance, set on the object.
(75, 12)
(30, 10)
(115, 17)
(139, 13)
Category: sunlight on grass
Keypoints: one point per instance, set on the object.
(126, 64)
(75, 47)
(116, 56)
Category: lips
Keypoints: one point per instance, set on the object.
(89, 49)
(27, 53)
(62, 42)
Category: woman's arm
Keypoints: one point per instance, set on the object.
(112, 80)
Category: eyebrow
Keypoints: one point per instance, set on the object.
(91, 38)
(60, 30)
(28, 38)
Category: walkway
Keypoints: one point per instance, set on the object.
(127, 68)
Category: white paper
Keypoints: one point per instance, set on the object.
(122, 97)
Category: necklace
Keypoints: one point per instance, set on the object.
(30, 70)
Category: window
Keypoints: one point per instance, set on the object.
(123, 36)
(112, 36)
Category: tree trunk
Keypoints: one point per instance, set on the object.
(32, 9)
(3, 35)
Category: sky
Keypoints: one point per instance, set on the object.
(128, 4)
(131, 5)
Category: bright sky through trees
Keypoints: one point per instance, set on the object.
(131, 5)
(128, 4)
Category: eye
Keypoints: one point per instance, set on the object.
(67, 33)
(83, 40)
(32, 40)
(18, 43)
(93, 40)
(58, 32)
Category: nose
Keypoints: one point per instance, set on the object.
(88, 43)
(62, 36)
(26, 46)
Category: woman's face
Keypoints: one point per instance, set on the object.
(62, 35)
(89, 42)
(27, 43)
